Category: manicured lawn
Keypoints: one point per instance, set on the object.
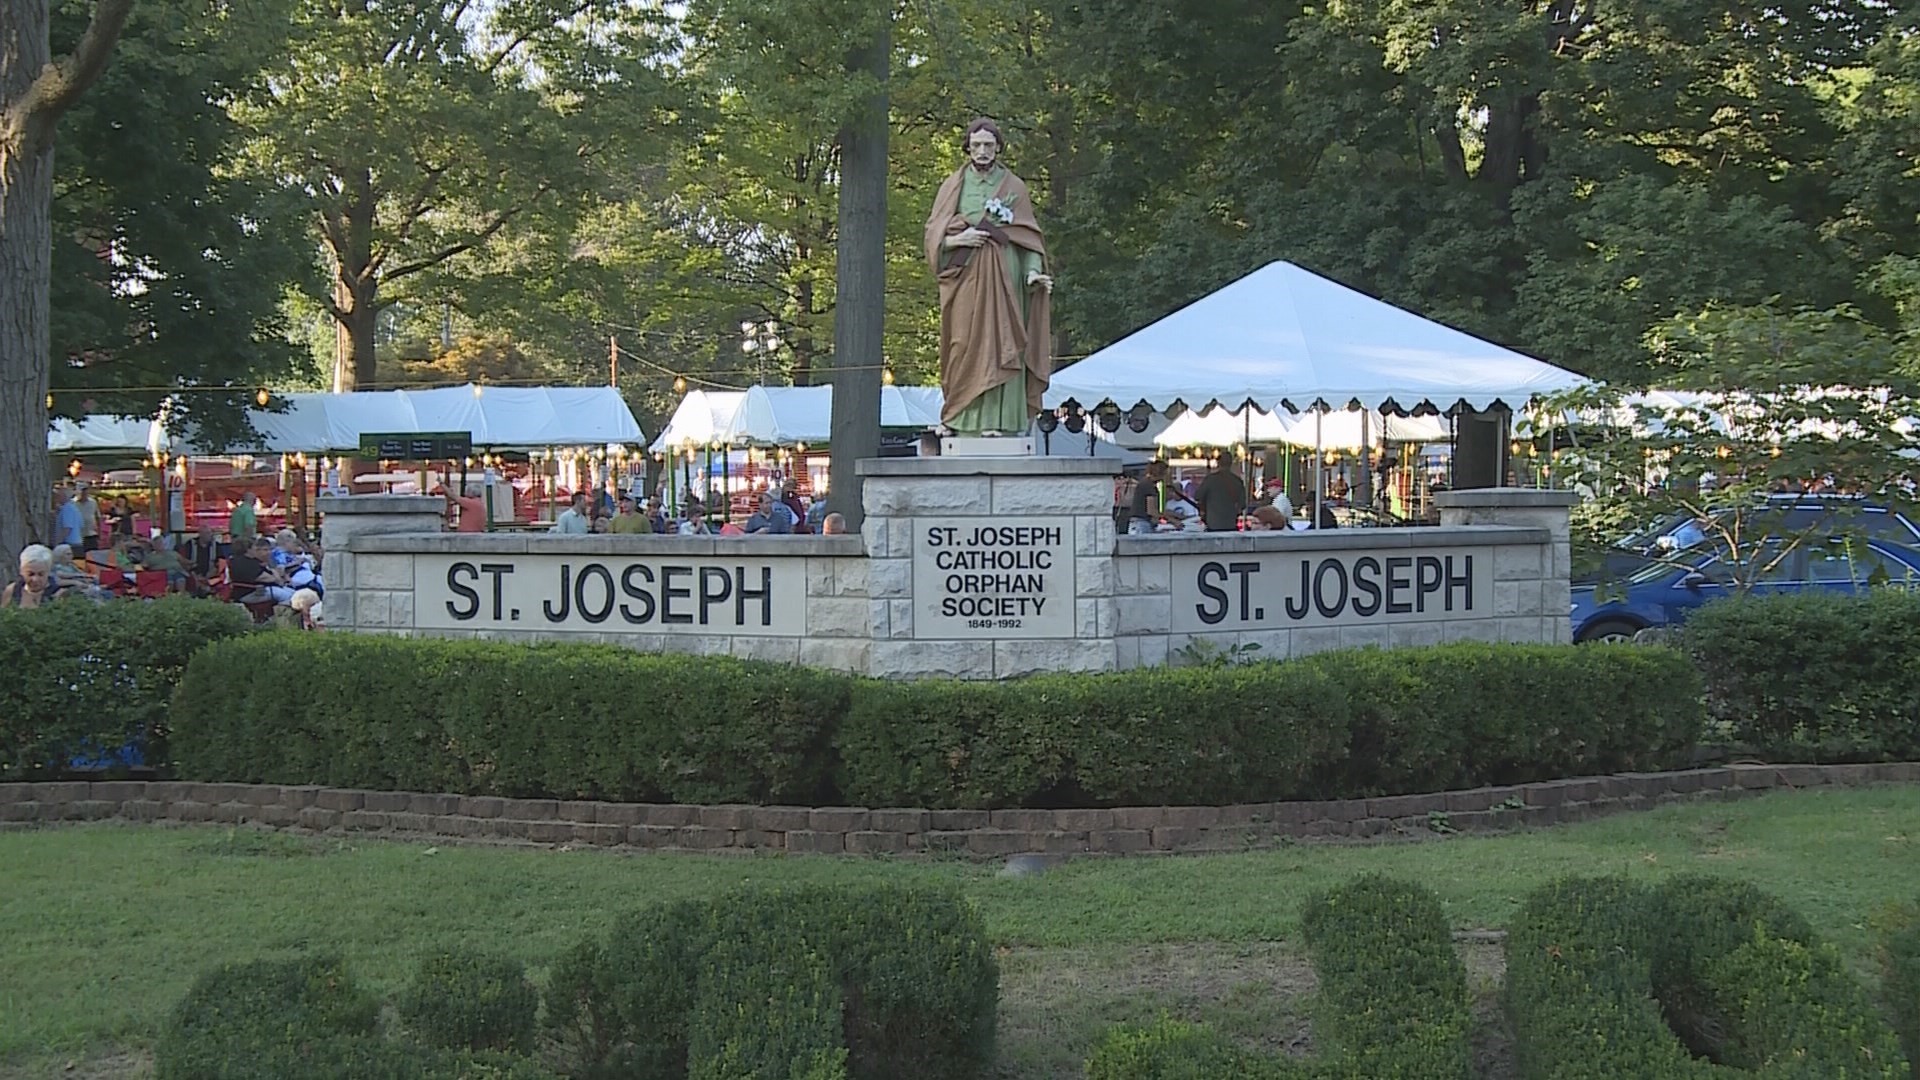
(104, 926)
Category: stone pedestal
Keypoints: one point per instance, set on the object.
(346, 516)
(1526, 508)
(989, 567)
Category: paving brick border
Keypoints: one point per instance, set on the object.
(843, 830)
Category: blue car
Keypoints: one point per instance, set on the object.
(1663, 593)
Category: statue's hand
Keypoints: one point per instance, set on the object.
(1044, 282)
(969, 237)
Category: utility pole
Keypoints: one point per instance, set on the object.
(613, 361)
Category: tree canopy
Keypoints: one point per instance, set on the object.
(1560, 176)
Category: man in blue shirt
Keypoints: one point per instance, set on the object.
(773, 517)
(67, 520)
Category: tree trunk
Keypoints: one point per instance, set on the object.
(34, 92)
(26, 248)
(356, 287)
(803, 346)
(861, 291)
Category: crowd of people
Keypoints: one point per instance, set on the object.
(95, 553)
(1217, 502)
(777, 512)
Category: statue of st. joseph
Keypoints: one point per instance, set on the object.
(995, 295)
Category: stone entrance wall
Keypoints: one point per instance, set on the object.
(977, 568)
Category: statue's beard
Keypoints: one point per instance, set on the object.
(983, 166)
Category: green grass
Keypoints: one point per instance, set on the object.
(104, 926)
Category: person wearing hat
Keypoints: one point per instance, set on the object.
(630, 521)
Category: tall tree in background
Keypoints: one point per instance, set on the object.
(827, 62)
(420, 130)
(169, 264)
(35, 92)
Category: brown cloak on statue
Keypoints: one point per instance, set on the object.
(983, 341)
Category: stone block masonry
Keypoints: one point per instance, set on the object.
(859, 831)
(966, 567)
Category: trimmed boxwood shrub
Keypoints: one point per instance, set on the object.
(911, 967)
(1606, 978)
(1813, 675)
(767, 1008)
(465, 1001)
(303, 1019)
(85, 679)
(1393, 993)
(481, 718)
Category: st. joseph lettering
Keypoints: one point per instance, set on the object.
(1274, 590)
(673, 595)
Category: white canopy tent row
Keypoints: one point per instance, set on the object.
(118, 435)
(496, 417)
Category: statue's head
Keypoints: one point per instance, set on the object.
(984, 143)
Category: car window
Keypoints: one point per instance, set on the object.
(1840, 561)
(1774, 569)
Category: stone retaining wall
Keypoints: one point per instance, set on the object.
(860, 831)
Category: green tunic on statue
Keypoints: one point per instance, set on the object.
(1003, 408)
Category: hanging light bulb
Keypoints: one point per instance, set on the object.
(679, 384)
(49, 401)
(886, 376)
(74, 468)
(260, 397)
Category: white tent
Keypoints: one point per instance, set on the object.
(1284, 338)
(701, 418)
(100, 435)
(1344, 429)
(497, 417)
(788, 415)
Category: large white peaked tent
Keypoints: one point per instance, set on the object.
(1285, 338)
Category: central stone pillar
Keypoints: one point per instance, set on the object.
(989, 567)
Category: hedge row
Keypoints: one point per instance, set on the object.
(1606, 978)
(1393, 1002)
(566, 721)
(95, 681)
(808, 984)
(1814, 675)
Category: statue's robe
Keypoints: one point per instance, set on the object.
(995, 329)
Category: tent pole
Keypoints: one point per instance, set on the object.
(1319, 466)
(1246, 449)
(1366, 456)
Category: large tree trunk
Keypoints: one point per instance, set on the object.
(860, 294)
(34, 92)
(26, 248)
(356, 311)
